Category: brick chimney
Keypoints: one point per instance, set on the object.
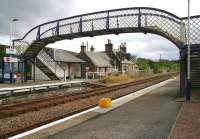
(92, 48)
(83, 48)
(108, 47)
(124, 47)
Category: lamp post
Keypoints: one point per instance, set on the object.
(11, 47)
(188, 63)
(11, 33)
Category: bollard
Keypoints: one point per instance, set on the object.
(105, 102)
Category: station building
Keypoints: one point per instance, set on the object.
(110, 60)
(75, 65)
(15, 66)
(68, 60)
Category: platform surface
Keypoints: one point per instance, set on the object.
(149, 117)
(31, 83)
(188, 121)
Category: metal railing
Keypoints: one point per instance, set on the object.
(100, 75)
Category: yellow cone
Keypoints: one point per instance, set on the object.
(105, 102)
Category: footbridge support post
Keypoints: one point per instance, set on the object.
(188, 80)
(183, 71)
(25, 70)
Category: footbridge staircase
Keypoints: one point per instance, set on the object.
(44, 61)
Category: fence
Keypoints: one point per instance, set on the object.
(99, 75)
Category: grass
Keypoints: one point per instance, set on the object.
(122, 78)
(116, 79)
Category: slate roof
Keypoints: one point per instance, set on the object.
(115, 51)
(99, 59)
(66, 56)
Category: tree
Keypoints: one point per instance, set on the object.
(2, 51)
(143, 64)
(157, 66)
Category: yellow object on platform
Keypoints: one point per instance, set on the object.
(105, 102)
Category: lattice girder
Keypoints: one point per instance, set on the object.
(140, 19)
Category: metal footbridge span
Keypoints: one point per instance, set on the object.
(125, 20)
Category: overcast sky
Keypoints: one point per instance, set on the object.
(34, 12)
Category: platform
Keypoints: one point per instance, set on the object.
(30, 83)
(149, 116)
(9, 89)
(187, 125)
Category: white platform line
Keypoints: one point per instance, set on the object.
(115, 103)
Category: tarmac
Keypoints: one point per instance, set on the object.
(150, 116)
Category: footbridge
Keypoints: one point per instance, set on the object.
(126, 20)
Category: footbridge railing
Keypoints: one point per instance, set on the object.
(126, 20)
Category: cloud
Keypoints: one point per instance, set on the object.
(4, 40)
(156, 55)
(34, 12)
(141, 45)
(152, 46)
(177, 7)
(30, 13)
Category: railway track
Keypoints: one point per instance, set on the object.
(15, 110)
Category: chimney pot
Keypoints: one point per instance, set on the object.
(92, 48)
(108, 47)
(83, 47)
(109, 41)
